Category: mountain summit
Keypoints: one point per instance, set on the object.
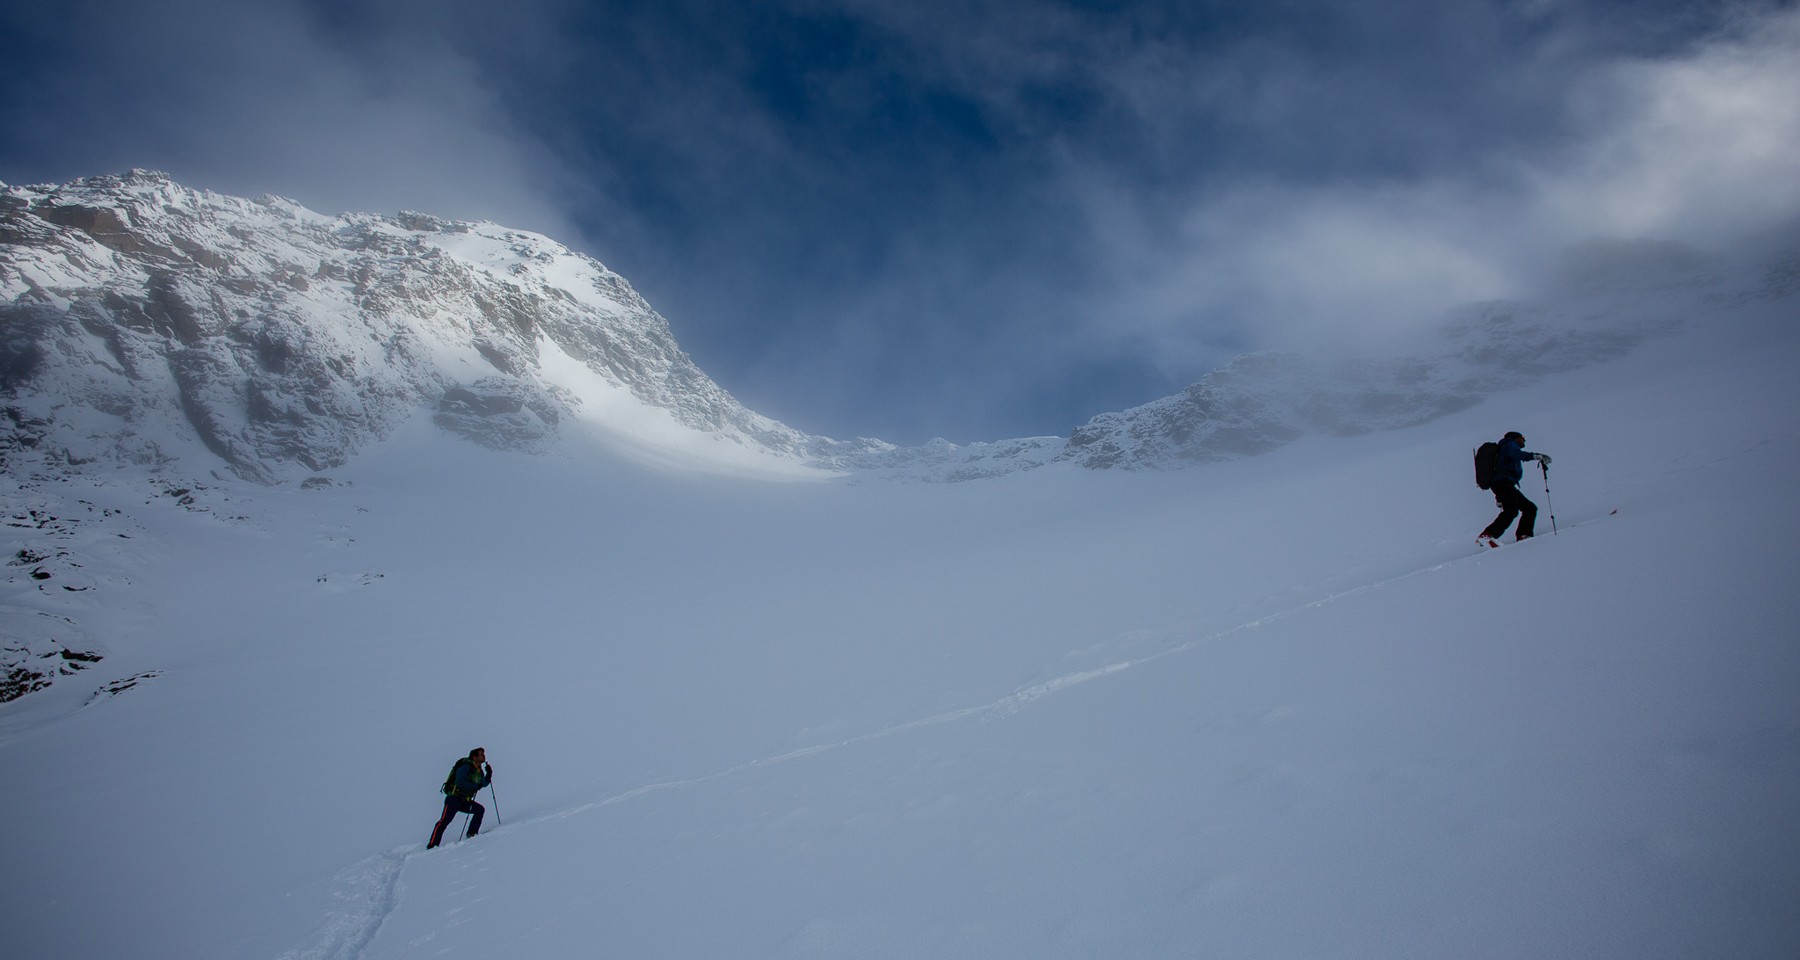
(141, 315)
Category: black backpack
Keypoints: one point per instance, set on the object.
(1485, 455)
(449, 788)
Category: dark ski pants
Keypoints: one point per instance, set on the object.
(452, 807)
(1512, 504)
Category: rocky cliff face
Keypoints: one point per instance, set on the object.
(139, 314)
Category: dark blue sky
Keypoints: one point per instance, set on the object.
(976, 221)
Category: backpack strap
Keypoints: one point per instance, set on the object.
(450, 781)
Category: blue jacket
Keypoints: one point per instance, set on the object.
(1509, 465)
(467, 779)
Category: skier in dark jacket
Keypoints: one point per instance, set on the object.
(467, 777)
(1509, 469)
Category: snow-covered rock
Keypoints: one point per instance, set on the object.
(140, 314)
(142, 322)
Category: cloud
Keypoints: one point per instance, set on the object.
(979, 220)
(1704, 147)
(272, 97)
(1700, 146)
(1188, 182)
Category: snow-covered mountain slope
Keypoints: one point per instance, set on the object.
(162, 331)
(142, 322)
(1612, 297)
(1280, 706)
(142, 318)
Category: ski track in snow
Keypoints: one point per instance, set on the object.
(371, 888)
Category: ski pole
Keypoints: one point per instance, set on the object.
(496, 794)
(1548, 506)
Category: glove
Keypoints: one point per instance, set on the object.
(1543, 458)
(490, 771)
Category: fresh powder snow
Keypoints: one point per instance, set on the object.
(1276, 707)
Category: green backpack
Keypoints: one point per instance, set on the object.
(449, 787)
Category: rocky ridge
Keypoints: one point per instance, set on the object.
(142, 322)
(136, 310)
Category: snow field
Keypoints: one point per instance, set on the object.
(1273, 708)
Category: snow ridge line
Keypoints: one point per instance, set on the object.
(349, 934)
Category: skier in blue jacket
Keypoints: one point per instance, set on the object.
(1509, 469)
(467, 777)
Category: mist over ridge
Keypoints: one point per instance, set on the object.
(149, 323)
